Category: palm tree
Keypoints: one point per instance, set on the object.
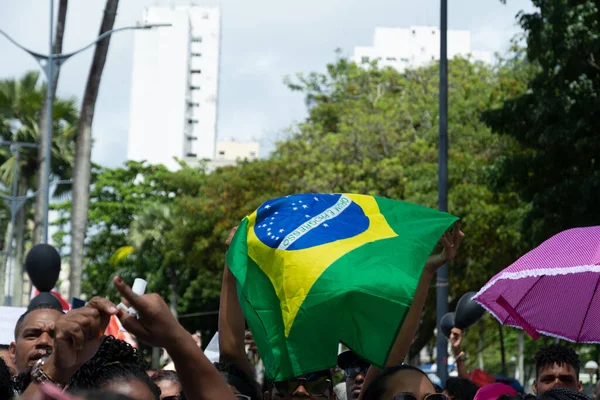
(83, 156)
(20, 104)
(148, 235)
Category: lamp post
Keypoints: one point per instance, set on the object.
(442, 273)
(50, 65)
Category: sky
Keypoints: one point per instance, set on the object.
(263, 41)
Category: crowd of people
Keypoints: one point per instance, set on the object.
(58, 355)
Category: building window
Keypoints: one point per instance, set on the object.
(197, 39)
(364, 59)
(191, 155)
(222, 152)
(196, 71)
(252, 154)
(205, 16)
(391, 58)
(414, 32)
(433, 32)
(194, 87)
(193, 104)
(192, 121)
(191, 138)
(196, 54)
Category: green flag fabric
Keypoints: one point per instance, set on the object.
(314, 270)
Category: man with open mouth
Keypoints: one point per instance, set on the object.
(34, 336)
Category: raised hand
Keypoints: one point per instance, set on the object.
(158, 327)
(156, 324)
(78, 335)
(450, 242)
(230, 237)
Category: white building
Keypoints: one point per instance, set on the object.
(230, 152)
(174, 89)
(402, 48)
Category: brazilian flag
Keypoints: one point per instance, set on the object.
(314, 270)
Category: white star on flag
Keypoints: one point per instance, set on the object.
(304, 206)
(267, 206)
(293, 204)
(276, 212)
(295, 208)
(300, 202)
(307, 216)
(277, 238)
(281, 231)
(269, 230)
(316, 199)
(270, 223)
(326, 226)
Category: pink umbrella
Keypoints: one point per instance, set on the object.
(552, 290)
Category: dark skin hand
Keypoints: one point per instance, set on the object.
(450, 244)
(78, 335)
(158, 327)
(233, 337)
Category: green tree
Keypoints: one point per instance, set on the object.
(149, 236)
(374, 131)
(117, 196)
(371, 131)
(554, 121)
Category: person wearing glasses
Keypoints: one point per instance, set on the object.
(402, 382)
(355, 369)
(316, 385)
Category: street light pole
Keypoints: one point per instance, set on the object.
(49, 125)
(50, 65)
(442, 273)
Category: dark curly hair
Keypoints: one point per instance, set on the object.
(556, 354)
(378, 387)
(461, 389)
(235, 377)
(115, 361)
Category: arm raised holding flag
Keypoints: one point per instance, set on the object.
(450, 242)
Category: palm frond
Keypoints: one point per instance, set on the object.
(62, 193)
